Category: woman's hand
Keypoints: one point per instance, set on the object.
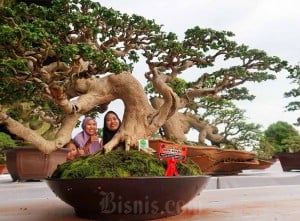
(74, 151)
(94, 138)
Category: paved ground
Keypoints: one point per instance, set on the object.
(276, 200)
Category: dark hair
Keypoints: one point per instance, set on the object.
(108, 134)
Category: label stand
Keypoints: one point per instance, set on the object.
(172, 154)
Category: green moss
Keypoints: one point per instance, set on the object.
(2, 160)
(6, 141)
(120, 164)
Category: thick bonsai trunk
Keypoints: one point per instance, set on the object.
(46, 146)
(206, 131)
(177, 126)
(174, 128)
(140, 120)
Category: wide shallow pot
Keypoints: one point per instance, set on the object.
(289, 161)
(215, 160)
(29, 163)
(131, 198)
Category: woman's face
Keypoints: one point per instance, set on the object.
(112, 122)
(90, 127)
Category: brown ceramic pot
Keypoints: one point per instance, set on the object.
(3, 168)
(132, 198)
(214, 160)
(289, 161)
(28, 163)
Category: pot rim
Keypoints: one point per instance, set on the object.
(129, 178)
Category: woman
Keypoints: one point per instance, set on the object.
(111, 125)
(86, 141)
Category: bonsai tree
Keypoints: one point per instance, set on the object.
(225, 125)
(292, 143)
(265, 150)
(283, 137)
(75, 57)
(218, 121)
(294, 92)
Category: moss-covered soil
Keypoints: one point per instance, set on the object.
(120, 164)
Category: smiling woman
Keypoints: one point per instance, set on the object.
(85, 142)
(112, 123)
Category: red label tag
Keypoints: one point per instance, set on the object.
(167, 151)
(172, 154)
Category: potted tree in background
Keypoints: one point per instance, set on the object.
(6, 142)
(285, 140)
(24, 161)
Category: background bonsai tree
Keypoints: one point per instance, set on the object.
(75, 57)
(294, 92)
(264, 150)
(218, 122)
(283, 137)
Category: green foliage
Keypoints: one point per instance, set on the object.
(265, 151)
(280, 134)
(224, 114)
(206, 39)
(178, 85)
(119, 164)
(6, 142)
(40, 30)
(294, 74)
(292, 143)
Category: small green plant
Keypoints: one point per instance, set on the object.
(292, 144)
(6, 142)
(283, 137)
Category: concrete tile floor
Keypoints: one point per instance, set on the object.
(34, 201)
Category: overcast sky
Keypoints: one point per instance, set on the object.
(269, 25)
